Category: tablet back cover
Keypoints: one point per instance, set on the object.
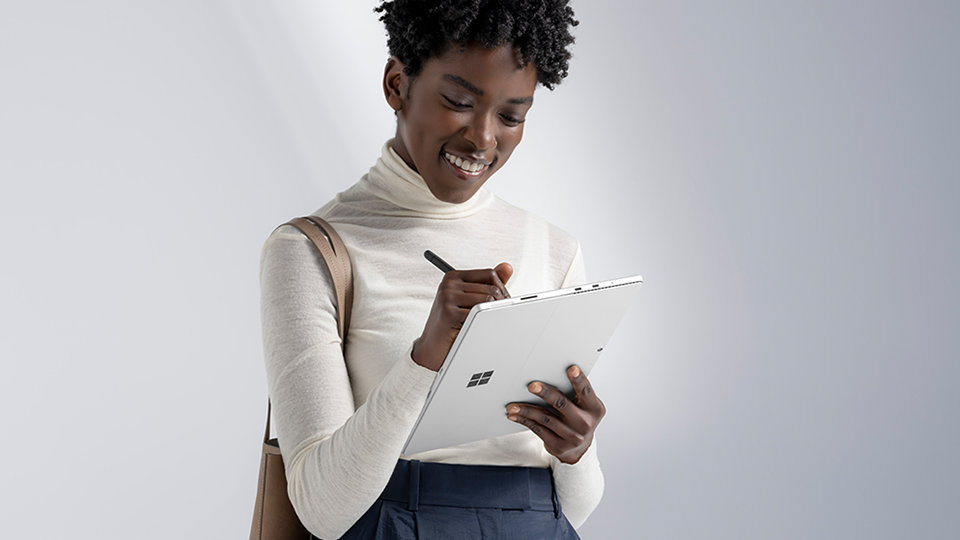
(502, 348)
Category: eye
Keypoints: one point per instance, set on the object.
(512, 120)
(456, 104)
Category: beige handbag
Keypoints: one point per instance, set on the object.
(273, 515)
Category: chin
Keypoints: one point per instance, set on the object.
(450, 194)
(456, 197)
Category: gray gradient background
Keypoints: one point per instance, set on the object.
(784, 175)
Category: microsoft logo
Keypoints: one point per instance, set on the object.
(480, 378)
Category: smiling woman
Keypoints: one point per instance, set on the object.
(461, 79)
(461, 117)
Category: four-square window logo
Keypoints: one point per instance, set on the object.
(480, 378)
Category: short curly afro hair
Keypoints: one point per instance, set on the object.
(418, 30)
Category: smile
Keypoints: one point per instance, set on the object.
(465, 165)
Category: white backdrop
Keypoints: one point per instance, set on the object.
(783, 174)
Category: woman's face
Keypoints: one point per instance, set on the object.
(460, 118)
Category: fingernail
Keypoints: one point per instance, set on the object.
(535, 387)
(512, 417)
(513, 409)
(575, 371)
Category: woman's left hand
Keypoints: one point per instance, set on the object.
(567, 426)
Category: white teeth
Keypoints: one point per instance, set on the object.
(465, 164)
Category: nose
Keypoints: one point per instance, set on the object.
(482, 132)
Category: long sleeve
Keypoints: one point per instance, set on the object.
(337, 459)
(579, 486)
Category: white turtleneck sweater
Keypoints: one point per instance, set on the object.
(341, 423)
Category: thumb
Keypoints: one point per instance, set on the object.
(504, 272)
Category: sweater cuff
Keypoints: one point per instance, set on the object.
(588, 460)
(404, 389)
(413, 373)
(579, 486)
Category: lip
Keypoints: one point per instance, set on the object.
(470, 157)
(462, 174)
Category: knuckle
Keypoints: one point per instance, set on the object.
(545, 419)
(560, 402)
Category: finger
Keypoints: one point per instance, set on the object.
(479, 275)
(585, 398)
(466, 301)
(483, 288)
(504, 271)
(546, 419)
(486, 275)
(571, 414)
(453, 286)
(548, 436)
(551, 395)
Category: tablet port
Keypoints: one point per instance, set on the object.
(528, 297)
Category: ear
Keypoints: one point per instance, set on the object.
(395, 83)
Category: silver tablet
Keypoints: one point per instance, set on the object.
(506, 344)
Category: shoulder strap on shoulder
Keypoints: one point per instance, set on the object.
(335, 255)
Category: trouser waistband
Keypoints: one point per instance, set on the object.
(471, 486)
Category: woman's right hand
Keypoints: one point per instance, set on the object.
(459, 291)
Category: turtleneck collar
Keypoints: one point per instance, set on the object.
(393, 180)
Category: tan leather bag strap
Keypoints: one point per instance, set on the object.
(335, 255)
(338, 262)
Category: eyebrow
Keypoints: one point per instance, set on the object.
(460, 81)
(463, 82)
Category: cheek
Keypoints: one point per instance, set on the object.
(432, 131)
(510, 138)
(446, 123)
(435, 119)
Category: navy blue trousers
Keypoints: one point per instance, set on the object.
(427, 501)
